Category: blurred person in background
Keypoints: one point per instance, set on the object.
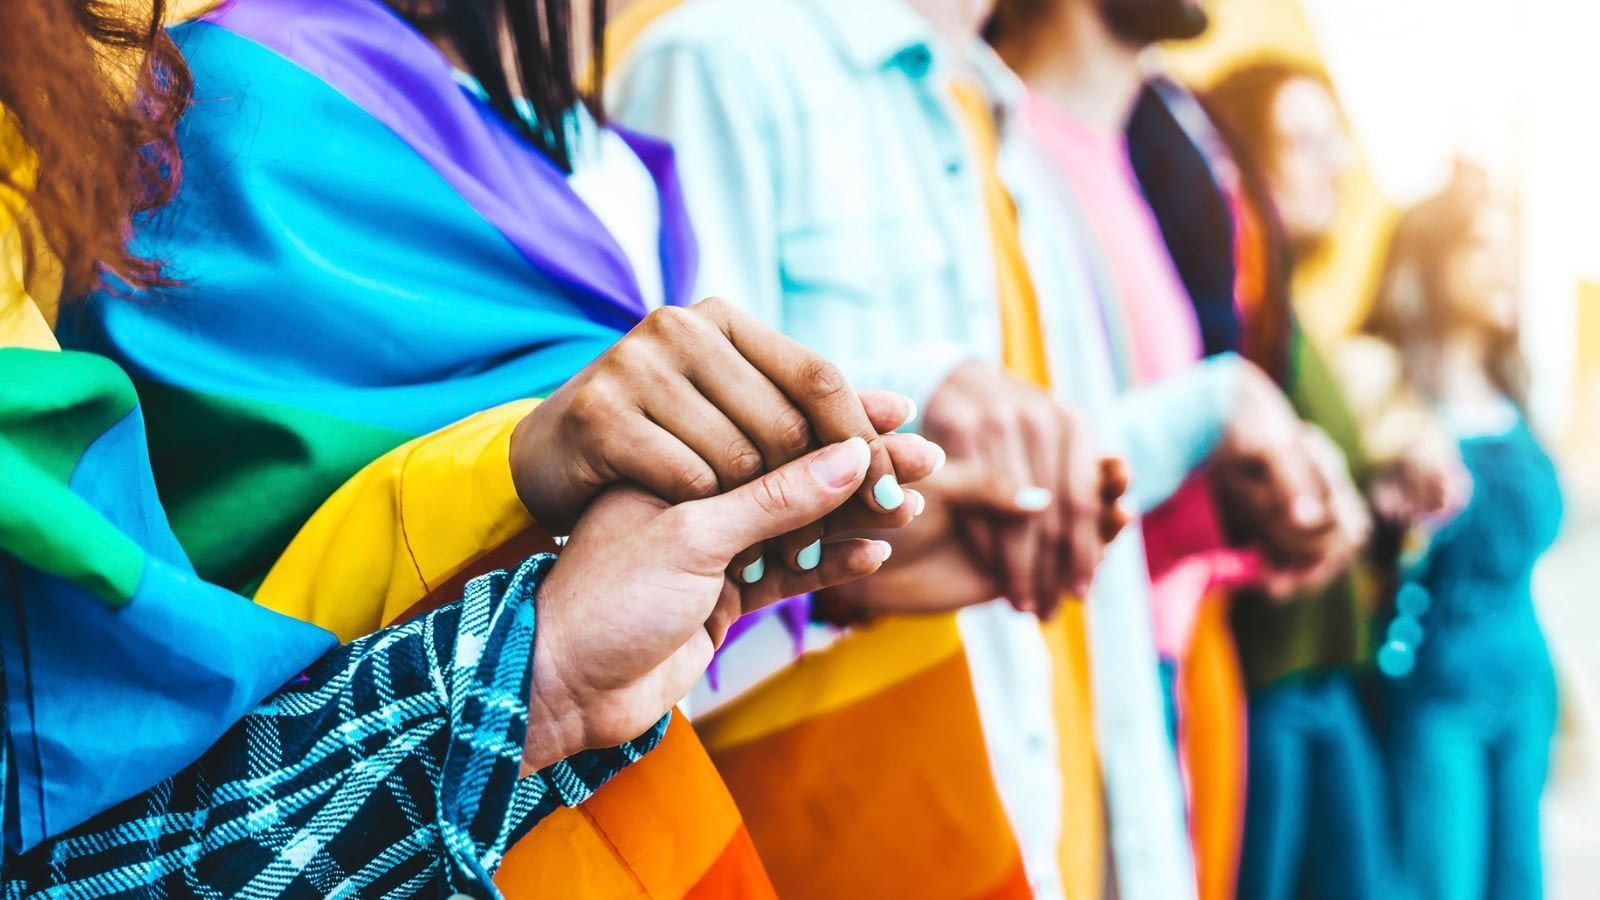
(1470, 715)
(1081, 63)
(866, 164)
(1316, 816)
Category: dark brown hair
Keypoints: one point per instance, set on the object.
(1240, 105)
(1410, 309)
(542, 68)
(104, 151)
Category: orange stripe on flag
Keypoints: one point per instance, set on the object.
(736, 875)
(655, 831)
(891, 796)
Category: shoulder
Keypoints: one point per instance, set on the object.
(756, 36)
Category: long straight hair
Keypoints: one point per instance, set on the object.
(1240, 105)
(101, 152)
(542, 68)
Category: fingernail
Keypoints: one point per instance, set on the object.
(809, 556)
(1032, 497)
(842, 463)
(888, 493)
(888, 549)
(911, 410)
(942, 457)
(753, 572)
(918, 503)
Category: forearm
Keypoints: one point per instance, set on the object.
(387, 754)
(1171, 427)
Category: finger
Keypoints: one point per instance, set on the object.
(730, 606)
(914, 457)
(977, 486)
(1081, 489)
(842, 562)
(776, 430)
(778, 502)
(1019, 540)
(817, 387)
(886, 410)
(941, 583)
(1114, 481)
(687, 415)
(1116, 517)
(1042, 436)
(639, 450)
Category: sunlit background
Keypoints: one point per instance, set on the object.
(1508, 84)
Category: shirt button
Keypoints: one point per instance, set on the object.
(916, 60)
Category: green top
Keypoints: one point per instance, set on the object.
(1326, 629)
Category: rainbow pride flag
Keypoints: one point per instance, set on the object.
(367, 255)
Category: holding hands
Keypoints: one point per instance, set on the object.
(630, 615)
(706, 466)
(1037, 526)
(693, 402)
(1285, 488)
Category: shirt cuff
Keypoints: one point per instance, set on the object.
(1172, 426)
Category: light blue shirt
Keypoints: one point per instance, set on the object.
(835, 195)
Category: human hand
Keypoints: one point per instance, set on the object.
(1270, 488)
(629, 616)
(1325, 559)
(933, 568)
(1427, 480)
(1045, 455)
(696, 401)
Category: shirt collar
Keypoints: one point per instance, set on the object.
(1001, 85)
(875, 34)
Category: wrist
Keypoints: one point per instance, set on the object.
(555, 717)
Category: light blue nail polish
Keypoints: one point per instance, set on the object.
(753, 572)
(888, 493)
(810, 557)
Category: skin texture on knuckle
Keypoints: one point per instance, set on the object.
(821, 381)
(694, 480)
(791, 433)
(774, 496)
(743, 463)
(595, 408)
(714, 308)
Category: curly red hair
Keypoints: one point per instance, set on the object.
(104, 147)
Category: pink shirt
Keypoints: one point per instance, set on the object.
(1184, 543)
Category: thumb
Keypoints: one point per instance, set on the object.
(789, 497)
(968, 483)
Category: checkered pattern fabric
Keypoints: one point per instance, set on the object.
(387, 770)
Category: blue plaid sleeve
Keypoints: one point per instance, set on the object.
(390, 768)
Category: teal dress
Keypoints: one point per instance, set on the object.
(1470, 727)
